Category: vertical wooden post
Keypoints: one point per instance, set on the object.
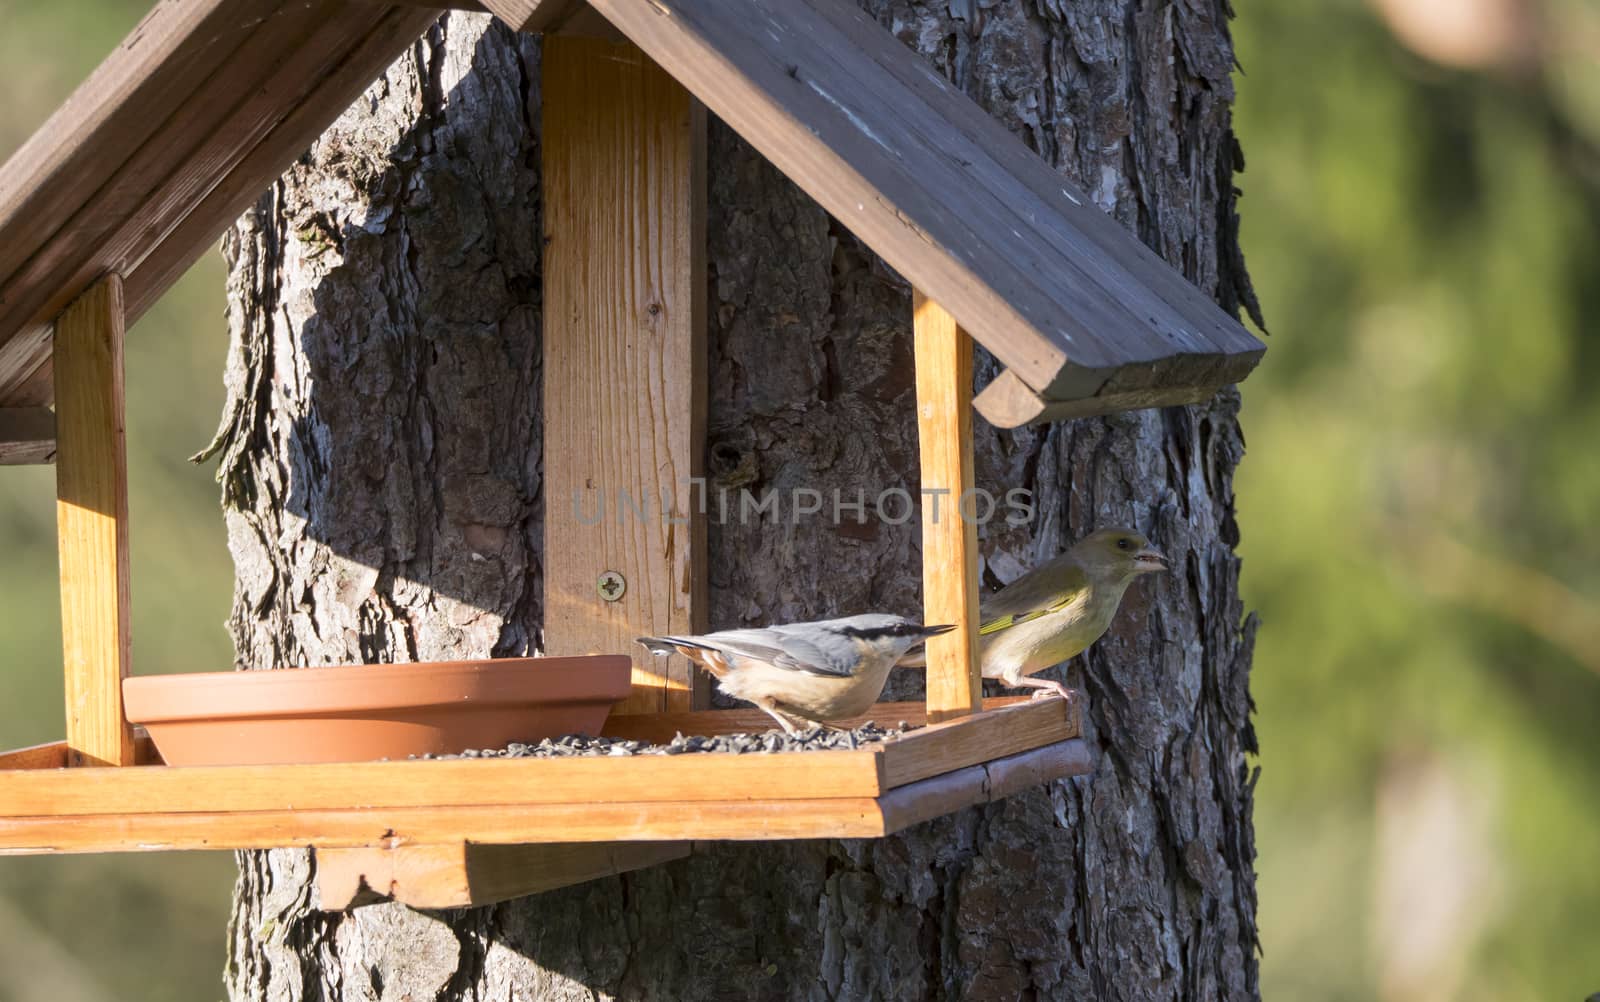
(624, 361)
(92, 524)
(949, 541)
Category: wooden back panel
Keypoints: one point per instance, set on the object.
(624, 371)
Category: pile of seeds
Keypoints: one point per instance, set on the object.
(572, 745)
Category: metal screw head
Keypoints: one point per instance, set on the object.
(611, 586)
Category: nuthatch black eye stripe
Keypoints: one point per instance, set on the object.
(895, 630)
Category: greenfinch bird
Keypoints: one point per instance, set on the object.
(1055, 611)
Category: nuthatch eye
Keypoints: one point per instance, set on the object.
(825, 671)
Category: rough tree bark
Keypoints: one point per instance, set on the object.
(380, 461)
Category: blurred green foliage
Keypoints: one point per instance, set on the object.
(1416, 506)
(1424, 450)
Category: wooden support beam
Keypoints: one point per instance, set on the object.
(92, 524)
(27, 435)
(949, 523)
(533, 15)
(624, 376)
(461, 875)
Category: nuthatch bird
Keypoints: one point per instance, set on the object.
(825, 671)
(1055, 611)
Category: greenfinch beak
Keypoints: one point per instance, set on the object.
(1150, 559)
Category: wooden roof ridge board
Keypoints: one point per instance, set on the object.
(867, 792)
(177, 132)
(1085, 317)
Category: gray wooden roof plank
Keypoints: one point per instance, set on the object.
(153, 72)
(1053, 202)
(165, 193)
(183, 156)
(1058, 273)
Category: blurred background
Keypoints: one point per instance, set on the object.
(1422, 222)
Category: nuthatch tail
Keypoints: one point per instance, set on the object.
(829, 670)
(1055, 611)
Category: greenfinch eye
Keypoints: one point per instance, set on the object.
(1124, 544)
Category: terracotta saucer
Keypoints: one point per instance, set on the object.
(355, 713)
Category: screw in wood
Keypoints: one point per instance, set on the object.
(611, 586)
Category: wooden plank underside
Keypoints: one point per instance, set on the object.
(178, 131)
(461, 875)
(983, 784)
(1063, 295)
(27, 436)
(1008, 402)
(624, 353)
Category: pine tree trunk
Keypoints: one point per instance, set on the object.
(381, 470)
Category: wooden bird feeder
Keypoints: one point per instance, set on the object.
(208, 101)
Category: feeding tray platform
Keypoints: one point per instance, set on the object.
(864, 793)
(454, 832)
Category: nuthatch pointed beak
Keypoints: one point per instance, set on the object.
(934, 631)
(1150, 559)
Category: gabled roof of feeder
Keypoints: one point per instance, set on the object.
(208, 101)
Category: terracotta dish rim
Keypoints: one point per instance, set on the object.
(377, 688)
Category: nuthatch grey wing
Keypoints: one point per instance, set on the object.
(824, 671)
(1055, 611)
